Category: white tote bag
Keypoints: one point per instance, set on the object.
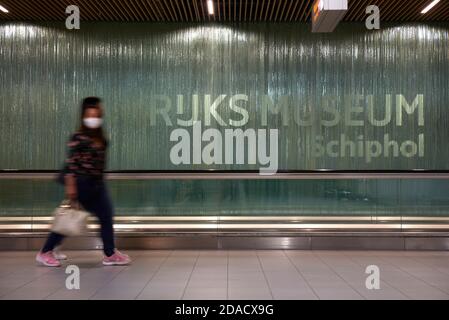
(68, 220)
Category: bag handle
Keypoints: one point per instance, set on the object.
(75, 204)
(67, 203)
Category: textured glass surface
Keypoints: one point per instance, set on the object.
(244, 198)
(45, 70)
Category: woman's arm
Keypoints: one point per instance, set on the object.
(72, 165)
(70, 187)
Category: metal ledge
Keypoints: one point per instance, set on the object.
(246, 224)
(243, 175)
(227, 232)
(268, 225)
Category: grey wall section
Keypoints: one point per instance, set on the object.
(45, 70)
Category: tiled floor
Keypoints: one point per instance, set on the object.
(232, 275)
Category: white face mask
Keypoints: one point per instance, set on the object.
(93, 123)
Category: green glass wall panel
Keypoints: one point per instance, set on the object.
(45, 70)
(368, 198)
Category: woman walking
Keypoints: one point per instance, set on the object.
(84, 183)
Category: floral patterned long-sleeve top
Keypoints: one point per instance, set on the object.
(85, 157)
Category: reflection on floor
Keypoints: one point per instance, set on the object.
(232, 275)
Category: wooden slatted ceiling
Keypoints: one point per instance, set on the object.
(225, 10)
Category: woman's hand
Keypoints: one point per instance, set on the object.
(70, 187)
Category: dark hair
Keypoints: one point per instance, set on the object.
(91, 103)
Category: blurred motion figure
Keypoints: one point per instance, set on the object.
(83, 177)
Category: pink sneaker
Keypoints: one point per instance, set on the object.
(59, 255)
(117, 259)
(47, 259)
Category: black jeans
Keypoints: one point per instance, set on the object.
(94, 197)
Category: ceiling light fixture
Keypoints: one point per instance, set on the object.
(210, 7)
(430, 6)
(326, 14)
(2, 8)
